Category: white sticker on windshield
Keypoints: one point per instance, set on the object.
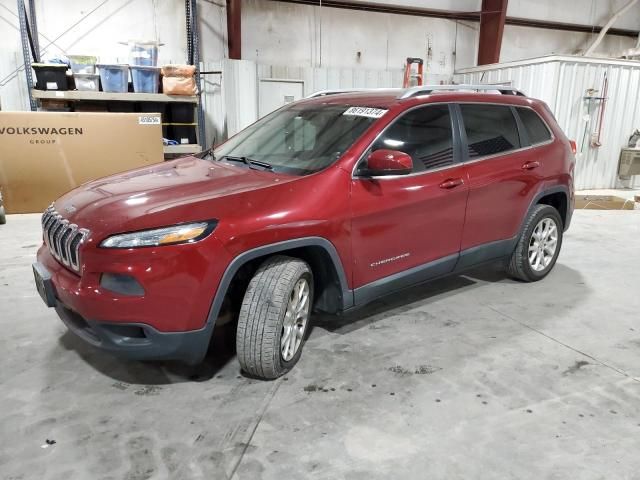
(365, 112)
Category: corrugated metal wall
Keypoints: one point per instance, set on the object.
(525, 77)
(562, 82)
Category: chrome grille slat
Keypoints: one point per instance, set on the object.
(57, 238)
(45, 217)
(50, 219)
(53, 230)
(70, 233)
(73, 246)
(64, 245)
(63, 238)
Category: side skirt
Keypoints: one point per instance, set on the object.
(452, 264)
(398, 281)
(485, 253)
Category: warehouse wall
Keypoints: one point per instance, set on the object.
(519, 43)
(333, 37)
(586, 12)
(315, 37)
(523, 42)
(299, 35)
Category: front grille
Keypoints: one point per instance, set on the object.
(64, 239)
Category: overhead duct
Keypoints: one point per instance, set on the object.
(607, 26)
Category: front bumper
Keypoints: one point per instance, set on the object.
(171, 320)
(138, 341)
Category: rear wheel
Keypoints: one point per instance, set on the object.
(538, 246)
(274, 317)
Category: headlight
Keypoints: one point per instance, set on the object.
(185, 233)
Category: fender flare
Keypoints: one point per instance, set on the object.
(270, 249)
(543, 193)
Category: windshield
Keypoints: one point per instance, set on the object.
(300, 139)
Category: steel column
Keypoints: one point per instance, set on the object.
(195, 44)
(34, 28)
(492, 19)
(234, 29)
(26, 51)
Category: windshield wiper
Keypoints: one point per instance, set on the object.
(203, 154)
(250, 162)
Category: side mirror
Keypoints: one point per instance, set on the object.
(388, 162)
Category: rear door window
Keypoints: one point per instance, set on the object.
(535, 128)
(491, 129)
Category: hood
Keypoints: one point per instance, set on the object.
(172, 192)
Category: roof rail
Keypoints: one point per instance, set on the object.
(324, 93)
(428, 89)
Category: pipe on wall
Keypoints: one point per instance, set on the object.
(234, 29)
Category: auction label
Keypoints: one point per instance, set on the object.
(365, 112)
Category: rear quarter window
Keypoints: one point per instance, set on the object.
(490, 129)
(534, 126)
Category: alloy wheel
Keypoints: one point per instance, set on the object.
(295, 320)
(543, 244)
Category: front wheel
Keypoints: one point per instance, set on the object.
(538, 246)
(274, 317)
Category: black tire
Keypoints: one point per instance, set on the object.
(3, 217)
(519, 266)
(261, 318)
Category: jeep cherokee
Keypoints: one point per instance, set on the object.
(325, 204)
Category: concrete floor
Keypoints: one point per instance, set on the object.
(469, 377)
(626, 193)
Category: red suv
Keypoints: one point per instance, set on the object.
(325, 204)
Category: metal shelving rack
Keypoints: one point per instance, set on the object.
(29, 31)
(193, 54)
(78, 96)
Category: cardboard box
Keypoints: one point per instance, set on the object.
(603, 202)
(45, 154)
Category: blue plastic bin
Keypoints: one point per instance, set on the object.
(145, 79)
(114, 78)
(143, 53)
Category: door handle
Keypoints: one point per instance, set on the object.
(531, 165)
(451, 183)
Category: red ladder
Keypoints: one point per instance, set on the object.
(409, 72)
